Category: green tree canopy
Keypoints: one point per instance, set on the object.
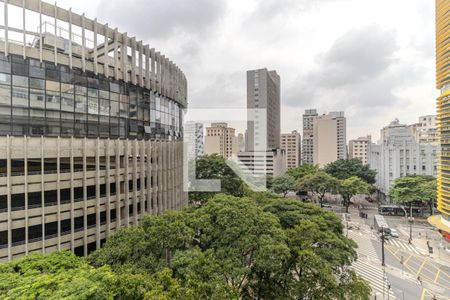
(302, 170)
(346, 168)
(283, 184)
(350, 187)
(415, 188)
(319, 184)
(256, 247)
(215, 167)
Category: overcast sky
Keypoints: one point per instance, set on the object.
(373, 59)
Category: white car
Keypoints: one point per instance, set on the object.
(394, 233)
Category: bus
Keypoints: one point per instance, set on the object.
(379, 223)
(398, 210)
(391, 210)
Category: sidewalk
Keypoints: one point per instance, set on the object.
(439, 255)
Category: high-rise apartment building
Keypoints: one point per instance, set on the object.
(308, 141)
(443, 84)
(329, 138)
(263, 92)
(341, 123)
(425, 131)
(221, 139)
(193, 137)
(291, 143)
(90, 132)
(398, 154)
(359, 148)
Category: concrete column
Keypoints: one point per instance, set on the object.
(142, 177)
(118, 190)
(134, 179)
(8, 195)
(108, 187)
(97, 193)
(42, 195)
(72, 199)
(148, 149)
(25, 185)
(58, 189)
(126, 185)
(85, 240)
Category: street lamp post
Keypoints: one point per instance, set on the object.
(410, 220)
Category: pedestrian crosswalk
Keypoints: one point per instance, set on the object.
(365, 246)
(376, 278)
(404, 245)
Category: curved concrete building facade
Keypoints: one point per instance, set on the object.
(90, 130)
(443, 110)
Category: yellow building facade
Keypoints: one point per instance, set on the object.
(443, 110)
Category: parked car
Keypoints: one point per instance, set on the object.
(326, 205)
(394, 233)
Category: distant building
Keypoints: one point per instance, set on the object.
(398, 154)
(271, 162)
(241, 142)
(425, 131)
(193, 135)
(359, 148)
(329, 138)
(291, 143)
(308, 141)
(263, 92)
(221, 139)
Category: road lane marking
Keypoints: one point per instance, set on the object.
(423, 294)
(421, 267)
(406, 261)
(437, 275)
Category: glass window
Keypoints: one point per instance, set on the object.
(123, 109)
(20, 81)
(5, 78)
(37, 83)
(20, 96)
(93, 106)
(104, 107)
(37, 98)
(52, 86)
(67, 102)
(52, 100)
(104, 94)
(80, 90)
(80, 103)
(5, 95)
(152, 116)
(114, 109)
(158, 117)
(158, 103)
(37, 121)
(92, 92)
(114, 87)
(5, 66)
(20, 68)
(114, 97)
(133, 111)
(124, 99)
(67, 88)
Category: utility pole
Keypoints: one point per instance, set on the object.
(411, 220)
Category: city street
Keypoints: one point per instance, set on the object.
(410, 272)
